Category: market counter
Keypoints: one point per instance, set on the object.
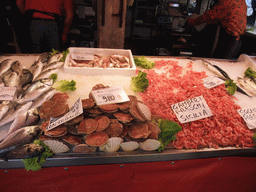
(207, 174)
(222, 169)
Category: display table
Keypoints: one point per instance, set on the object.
(222, 169)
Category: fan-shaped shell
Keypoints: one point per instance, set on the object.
(150, 145)
(112, 145)
(129, 146)
(56, 146)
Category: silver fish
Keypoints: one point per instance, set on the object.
(250, 82)
(20, 137)
(47, 73)
(17, 67)
(5, 65)
(52, 65)
(5, 106)
(25, 151)
(14, 112)
(26, 77)
(35, 89)
(36, 68)
(44, 57)
(12, 79)
(249, 90)
(56, 57)
(42, 98)
(27, 118)
(216, 70)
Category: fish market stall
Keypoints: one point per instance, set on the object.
(214, 143)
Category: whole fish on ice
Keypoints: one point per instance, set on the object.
(13, 112)
(20, 137)
(53, 65)
(27, 118)
(17, 67)
(246, 86)
(56, 57)
(36, 88)
(26, 151)
(36, 68)
(42, 98)
(5, 65)
(47, 73)
(44, 57)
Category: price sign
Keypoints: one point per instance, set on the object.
(249, 116)
(7, 93)
(75, 110)
(84, 56)
(109, 95)
(212, 81)
(191, 109)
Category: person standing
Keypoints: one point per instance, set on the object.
(231, 17)
(44, 22)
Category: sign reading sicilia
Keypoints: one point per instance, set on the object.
(192, 109)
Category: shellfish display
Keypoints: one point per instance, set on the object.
(108, 128)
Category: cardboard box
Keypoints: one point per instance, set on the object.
(88, 52)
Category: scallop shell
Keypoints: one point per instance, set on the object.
(56, 146)
(112, 145)
(150, 145)
(129, 146)
(144, 110)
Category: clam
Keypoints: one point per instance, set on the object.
(129, 146)
(56, 146)
(112, 145)
(150, 145)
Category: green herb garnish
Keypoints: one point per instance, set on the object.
(231, 86)
(168, 131)
(35, 163)
(140, 82)
(144, 62)
(65, 85)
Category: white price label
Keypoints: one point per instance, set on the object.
(249, 116)
(212, 81)
(110, 95)
(191, 109)
(7, 93)
(84, 56)
(75, 110)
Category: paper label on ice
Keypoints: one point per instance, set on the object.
(249, 116)
(212, 81)
(109, 95)
(7, 93)
(191, 109)
(84, 56)
(75, 110)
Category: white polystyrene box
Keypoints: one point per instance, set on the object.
(96, 70)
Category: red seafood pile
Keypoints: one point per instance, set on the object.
(170, 83)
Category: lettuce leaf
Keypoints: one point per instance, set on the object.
(35, 163)
(168, 131)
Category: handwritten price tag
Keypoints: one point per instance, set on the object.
(212, 81)
(7, 93)
(191, 109)
(84, 56)
(249, 116)
(75, 110)
(110, 95)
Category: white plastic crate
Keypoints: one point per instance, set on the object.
(96, 70)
